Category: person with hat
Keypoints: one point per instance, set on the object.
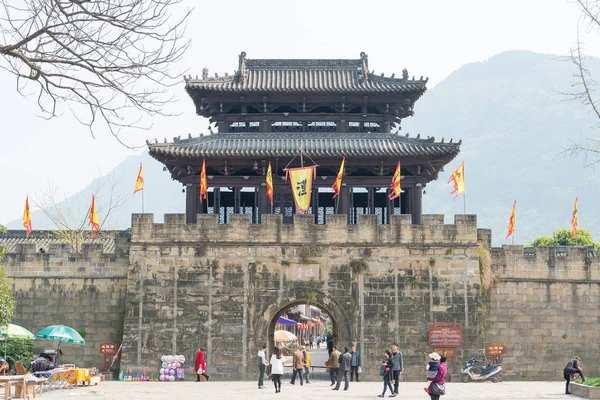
(262, 366)
(433, 365)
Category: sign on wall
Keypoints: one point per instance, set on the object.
(445, 334)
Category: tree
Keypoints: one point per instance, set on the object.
(562, 237)
(98, 58)
(584, 87)
(7, 302)
(70, 217)
(2, 248)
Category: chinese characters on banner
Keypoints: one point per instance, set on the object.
(301, 181)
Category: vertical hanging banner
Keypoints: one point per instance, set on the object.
(395, 186)
(574, 218)
(269, 183)
(27, 218)
(301, 181)
(203, 182)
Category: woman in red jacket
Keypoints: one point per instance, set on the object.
(200, 368)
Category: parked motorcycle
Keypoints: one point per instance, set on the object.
(491, 372)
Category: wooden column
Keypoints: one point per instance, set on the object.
(264, 204)
(371, 200)
(217, 201)
(236, 200)
(315, 203)
(417, 205)
(192, 203)
(344, 201)
(389, 206)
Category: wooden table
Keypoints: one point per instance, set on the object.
(8, 381)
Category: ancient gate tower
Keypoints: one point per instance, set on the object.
(220, 275)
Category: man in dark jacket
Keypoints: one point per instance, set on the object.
(345, 364)
(572, 367)
(355, 364)
(398, 366)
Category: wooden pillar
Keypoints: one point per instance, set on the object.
(217, 201)
(315, 203)
(264, 204)
(255, 212)
(343, 206)
(236, 200)
(389, 206)
(417, 205)
(371, 200)
(192, 203)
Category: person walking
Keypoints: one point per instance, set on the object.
(355, 364)
(345, 364)
(307, 363)
(572, 367)
(311, 341)
(262, 366)
(440, 377)
(200, 366)
(298, 365)
(277, 364)
(329, 344)
(387, 366)
(334, 364)
(398, 366)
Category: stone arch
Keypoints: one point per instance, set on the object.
(264, 325)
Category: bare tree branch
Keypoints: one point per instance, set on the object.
(104, 60)
(584, 88)
(70, 220)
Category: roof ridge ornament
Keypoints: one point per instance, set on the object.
(364, 57)
(242, 66)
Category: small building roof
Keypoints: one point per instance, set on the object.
(331, 144)
(305, 76)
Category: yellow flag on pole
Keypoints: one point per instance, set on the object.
(269, 181)
(94, 218)
(301, 181)
(459, 180)
(27, 218)
(337, 185)
(139, 182)
(395, 186)
(511, 221)
(203, 182)
(574, 218)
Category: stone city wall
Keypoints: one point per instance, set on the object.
(85, 291)
(545, 309)
(221, 286)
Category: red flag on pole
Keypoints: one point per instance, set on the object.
(139, 182)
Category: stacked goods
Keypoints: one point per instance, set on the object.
(171, 368)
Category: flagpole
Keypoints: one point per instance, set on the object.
(142, 201)
(464, 204)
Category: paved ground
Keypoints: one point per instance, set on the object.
(319, 389)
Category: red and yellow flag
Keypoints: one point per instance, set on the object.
(301, 181)
(203, 182)
(269, 180)
(139, 182)
(574, 218)
(395, 186)
(27, 218)
(94, 218)
(337, 185)
(459, 180)
(511, 221)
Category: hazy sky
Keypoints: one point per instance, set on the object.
(429, 38)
